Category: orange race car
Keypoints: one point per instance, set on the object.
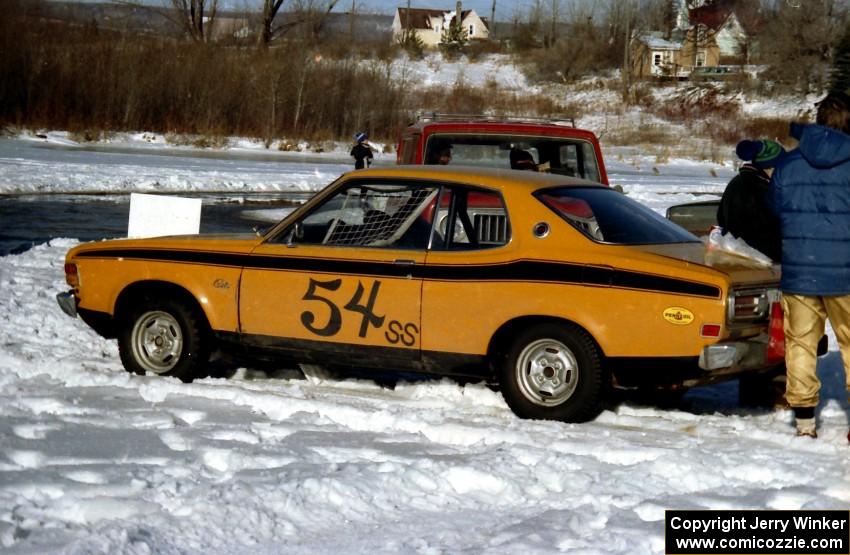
(554, 287)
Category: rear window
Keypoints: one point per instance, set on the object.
(558, 155)
(608, 216)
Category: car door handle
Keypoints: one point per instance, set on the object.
(404, 262)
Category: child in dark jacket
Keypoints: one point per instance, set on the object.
(361, 152)
(744, 210)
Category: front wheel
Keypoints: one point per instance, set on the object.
(165, 337)
(553, 372)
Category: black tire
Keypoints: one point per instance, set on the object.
(553, 372)
(164, 336)
(766, 389)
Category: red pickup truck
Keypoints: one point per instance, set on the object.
(552, 145)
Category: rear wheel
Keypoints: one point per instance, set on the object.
(553, 372)
(166, 337)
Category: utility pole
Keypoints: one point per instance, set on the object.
(351, 22)
(493, 20)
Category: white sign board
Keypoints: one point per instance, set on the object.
(157, 215)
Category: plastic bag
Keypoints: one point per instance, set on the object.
(730, 245)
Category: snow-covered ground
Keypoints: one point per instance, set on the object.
(128, 163)
(93, 460)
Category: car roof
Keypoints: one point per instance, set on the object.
(495, 178)
(531, 128)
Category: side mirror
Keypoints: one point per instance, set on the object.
(296, 234)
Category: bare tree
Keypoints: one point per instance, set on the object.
(553, 23)
(267, 16)
(797, 42)
(195, 17)
(309, 13)
(659, 15)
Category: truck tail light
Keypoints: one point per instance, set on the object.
(72, 278)
(750, 306)
(776, 335)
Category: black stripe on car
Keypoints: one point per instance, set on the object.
(518, 270)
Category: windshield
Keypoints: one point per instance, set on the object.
(608, 216)
(558, 155)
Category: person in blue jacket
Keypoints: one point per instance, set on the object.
(810, 192)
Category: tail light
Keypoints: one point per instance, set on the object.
(72, 277)
(750, 305)
(776, 335)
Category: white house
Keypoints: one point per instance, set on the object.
(429, 24)
(654, 56)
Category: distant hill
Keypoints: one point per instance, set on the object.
(113, 16)
(155, 19)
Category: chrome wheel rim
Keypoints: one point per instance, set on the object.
(157, 342)
(547, 372)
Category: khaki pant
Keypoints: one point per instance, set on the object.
(805, 317)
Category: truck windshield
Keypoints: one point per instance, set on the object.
(558, 155)
(608, 216)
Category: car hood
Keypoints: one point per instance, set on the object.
(231, 243)
(738, 268)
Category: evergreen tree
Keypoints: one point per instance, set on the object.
(454, 38)
(412, 43)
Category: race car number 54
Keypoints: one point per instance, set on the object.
(395, 332)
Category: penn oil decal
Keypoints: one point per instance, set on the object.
(678, 315)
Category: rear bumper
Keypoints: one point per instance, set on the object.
(715, 363)
(744, 355)
(736, 355)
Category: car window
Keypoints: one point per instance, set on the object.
(590, 166)
(608, 216)
(468, 219)
(369, 215)
(558, 155)
(408, 149)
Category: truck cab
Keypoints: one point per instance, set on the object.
(554, 146)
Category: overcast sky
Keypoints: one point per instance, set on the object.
(504, 8)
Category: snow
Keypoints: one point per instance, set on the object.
(433, 70)
(95, 460)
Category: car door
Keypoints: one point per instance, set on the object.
(468, 287)
(341, 285)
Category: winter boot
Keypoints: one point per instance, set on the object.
(806, 427)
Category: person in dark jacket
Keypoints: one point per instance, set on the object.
(810, 191)
(361, 152)
(522, 160)
(744, 209)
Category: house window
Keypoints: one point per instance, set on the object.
(656, 59)
(471, 30)
(437, 28)
(700, 59)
